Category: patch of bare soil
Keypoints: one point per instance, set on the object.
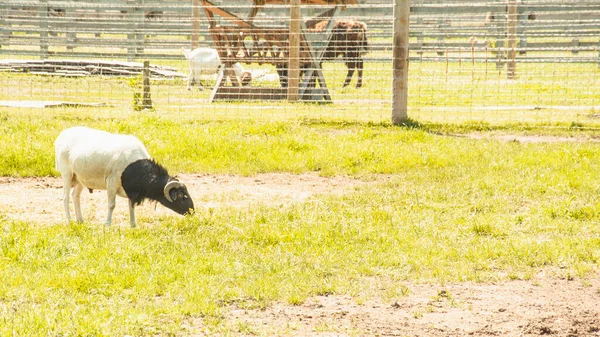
(545, 307)
(40, 200)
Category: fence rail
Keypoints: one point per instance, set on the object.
(159, 29)
(492, 60)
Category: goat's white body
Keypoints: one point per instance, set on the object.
(205, 61)
(95, 159)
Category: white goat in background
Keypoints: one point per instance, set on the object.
(206, 61)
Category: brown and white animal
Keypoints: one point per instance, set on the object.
(348, 41)
(119, 164)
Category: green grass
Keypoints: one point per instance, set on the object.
(439, 208)
(248, 147)
(434, 223)
(438, 93)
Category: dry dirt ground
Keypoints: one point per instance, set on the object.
(544, 306)
(39, 200)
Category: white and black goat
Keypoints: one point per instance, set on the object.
(119, 164)
(206, 61)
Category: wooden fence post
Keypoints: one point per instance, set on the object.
(400, 61)
(195, 23)
(294, 51)
(511, 34)
(146, 98)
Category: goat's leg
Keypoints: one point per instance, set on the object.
(351, 66)
(360, 65)
(112, 188)
(111, 206)
(67, 177)
(190, 80)
(76, 195)
(131, 213)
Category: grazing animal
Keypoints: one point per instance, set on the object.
(119, 164)
(206, 61)
(349, 41)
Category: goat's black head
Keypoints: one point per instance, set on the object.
(177, 197)
(146, 179)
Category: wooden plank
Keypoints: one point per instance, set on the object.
(249, 93)
(464, 8)
(47, 104)
(314, 74)
(312, 2)
(400, 61)
(210, 7)
(91, 67)
(294, 51)
(310, 23)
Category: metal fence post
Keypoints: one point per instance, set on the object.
(43, 13)
(4, 27)
(400, 61)
(498, 23)
(140, 23)
(511, 34)
(131, 49)
(135, 40)
(71, 34)
(522, 27)
(195, 23)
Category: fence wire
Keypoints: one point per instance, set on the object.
(493, 61)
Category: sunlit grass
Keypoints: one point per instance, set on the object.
(476, 215)
(455, 92)
(441, 207)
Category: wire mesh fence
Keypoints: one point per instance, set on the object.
(496, 61)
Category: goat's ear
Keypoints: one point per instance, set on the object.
(173, 194)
